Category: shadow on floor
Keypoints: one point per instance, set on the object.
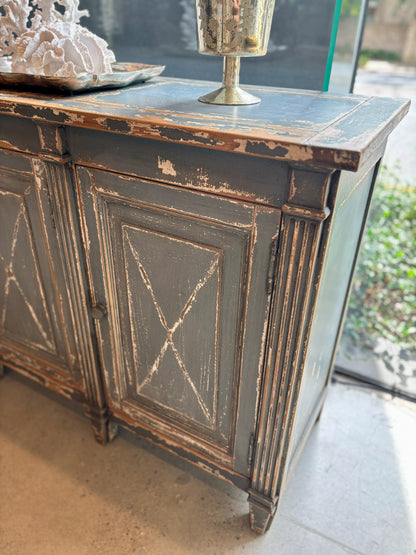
(353, 490)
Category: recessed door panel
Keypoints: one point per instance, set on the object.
(35, 323)
(173, 269)
(180, 311)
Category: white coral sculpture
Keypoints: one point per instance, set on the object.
(50, 42)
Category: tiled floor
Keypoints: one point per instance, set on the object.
(353, 490)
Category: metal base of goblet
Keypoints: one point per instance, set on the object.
(233, 96)
(230, 92)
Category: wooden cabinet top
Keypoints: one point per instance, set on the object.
(309, 127)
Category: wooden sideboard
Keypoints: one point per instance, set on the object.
(182, 269)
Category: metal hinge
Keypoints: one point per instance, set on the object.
(272, 263)
(250, 450)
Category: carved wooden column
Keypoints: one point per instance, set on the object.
(53, 167)
(292, 300)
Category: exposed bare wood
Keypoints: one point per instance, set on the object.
(312, 142)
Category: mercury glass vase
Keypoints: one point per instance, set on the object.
(233, 28)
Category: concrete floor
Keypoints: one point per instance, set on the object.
(352, 491)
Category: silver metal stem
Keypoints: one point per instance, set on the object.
(231, 71)
(230, 92)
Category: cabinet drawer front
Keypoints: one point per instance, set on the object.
(35, 322)
(173, 270)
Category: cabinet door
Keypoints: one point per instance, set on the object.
(35, 317)
(175, 270)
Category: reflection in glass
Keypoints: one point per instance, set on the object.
(348, 43)
(164, 32)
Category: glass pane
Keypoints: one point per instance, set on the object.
(347, 45)
(164, 32)
(379, 338)
(378, 344)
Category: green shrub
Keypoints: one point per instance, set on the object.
(368, 54)
(383, 299)
(350, 8)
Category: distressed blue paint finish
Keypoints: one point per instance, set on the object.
(201, 259)
(299, 126)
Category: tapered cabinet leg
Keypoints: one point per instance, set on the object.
(103, 429)
(262, 511)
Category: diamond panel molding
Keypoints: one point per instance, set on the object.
(161, 305)
(24, 315)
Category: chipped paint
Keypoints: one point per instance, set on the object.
(280, 151)
(172, 438)
(226, 189)
(332, 142)
(166, 166)
(6, 144)
(293, 188)
(203, 177)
